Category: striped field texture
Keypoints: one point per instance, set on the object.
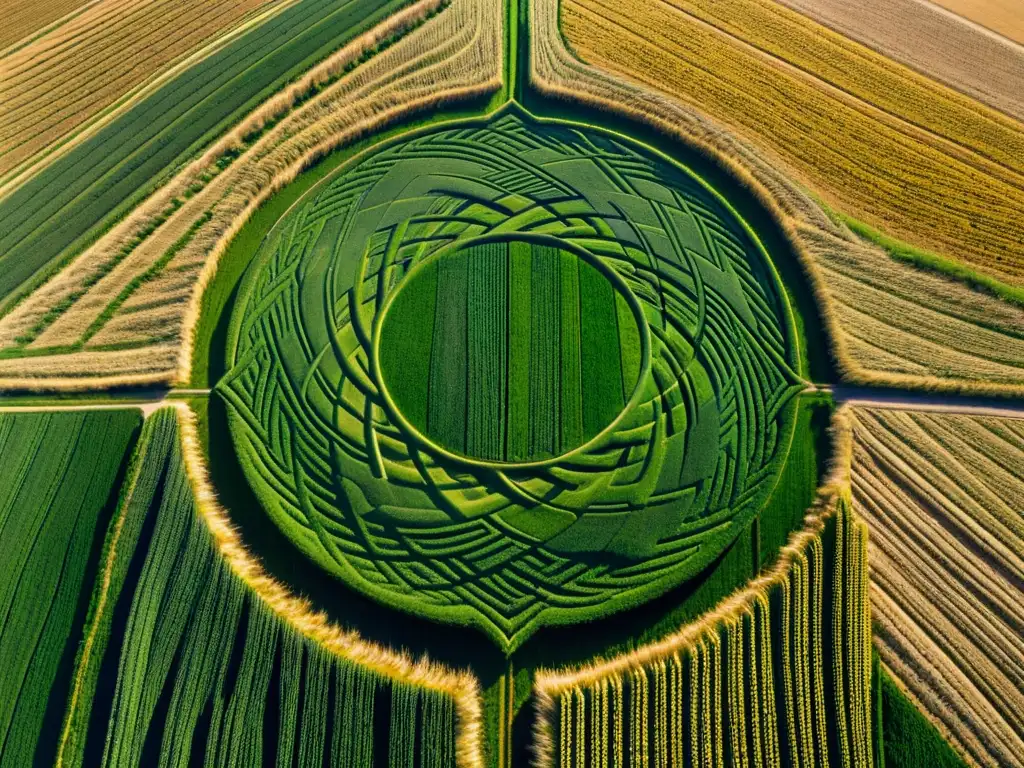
(67, 76)
(933, 42)
(208, 671)
(970, 340)
(942, 495)
(123, 310)
(779, 674)
(872, 137)
(25, 19)
(566, 384)
(57, 493)
(59, 200)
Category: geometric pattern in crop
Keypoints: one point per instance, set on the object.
(671, 430)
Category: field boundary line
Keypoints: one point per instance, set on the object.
(835, 488)
(902, 125)
(82, 663)
(297, 612)
(38, 162)
(971, 23)
(833, 499)
(31, 37)
(866, 397)
(556, 72)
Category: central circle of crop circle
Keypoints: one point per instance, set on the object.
(510, 350)
(512, 373)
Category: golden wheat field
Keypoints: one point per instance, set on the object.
(72, 73)
(508, 383)
(890, 148)
(925, 38)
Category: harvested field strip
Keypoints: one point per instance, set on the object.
(108, 172)
(1001, 16)
(932, 42)
(57, 494)
(941, 494)
(873, 164)
(208, 635)
(459, 48)
(65, 77)
(31, 16)
(863, 351)
(777, 674)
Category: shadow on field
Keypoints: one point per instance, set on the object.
(452, 645)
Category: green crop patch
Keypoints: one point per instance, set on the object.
(189, 666)
(456, 393)
(57, 493)
(508, 373)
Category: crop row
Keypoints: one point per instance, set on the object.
(861, 320)
(479, 397)
(778, 674)
(123, 307)
(213, 662)
(941, 158)
(941, 494)
(68, 75)
(57, 492)
(319, 377)
(52, 213)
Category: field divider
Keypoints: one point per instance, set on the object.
(298, 613)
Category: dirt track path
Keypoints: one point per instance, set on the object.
(147, 402)
(905, 400)
(863, 397)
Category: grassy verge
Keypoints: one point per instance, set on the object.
(933, 262)
(911, 741)
(69, 204)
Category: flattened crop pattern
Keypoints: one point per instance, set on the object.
(500, 524)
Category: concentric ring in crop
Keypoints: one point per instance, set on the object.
(510, 372)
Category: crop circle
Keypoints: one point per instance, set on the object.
(510, 350)
(671, 432)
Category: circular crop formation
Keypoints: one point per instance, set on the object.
(510, 349)
(512, 373)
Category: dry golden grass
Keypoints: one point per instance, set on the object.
(873, 138)
(65, 77)
(294, 611)
(933, 42)
(315, 625)
(1003, 17)
(454, 56)
(872, 344)
(740, 633)
(29, 17)
(941, 494)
